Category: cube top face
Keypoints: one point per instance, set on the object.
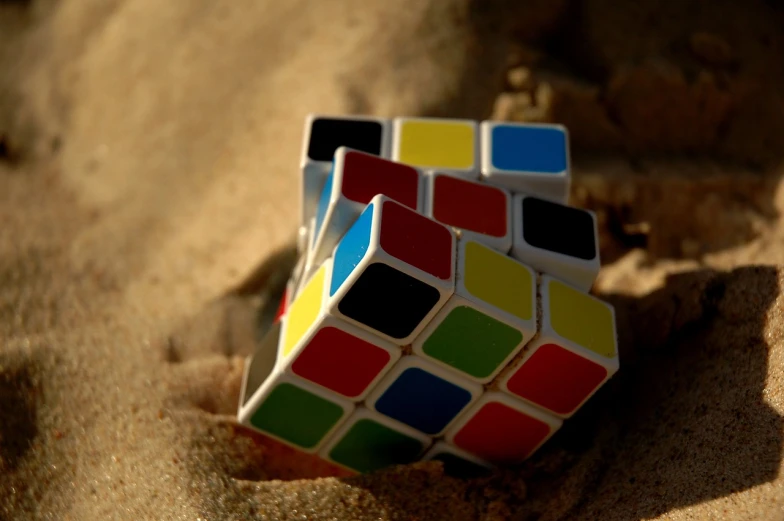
(422, 395)
(343, 358)
(434, 143)
(292, 412)
(369, 442)
(325, 134)
(557, 228)
(494, 279)
(476, 207)
(579, 318)
(502, 430)
(364, 176)
(526, 148)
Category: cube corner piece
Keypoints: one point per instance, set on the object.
(531, 158)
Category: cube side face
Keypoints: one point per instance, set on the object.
(369, 441)
(343, 359)
(294, 412)
(556, 239)
(423, 396)
(574, 356)
(465, 338)
(448, 145)
(528, 158)
(394, 279)
(312, 179)
(502, 430)
(481, 211)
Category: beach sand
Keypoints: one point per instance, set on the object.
(148, 198)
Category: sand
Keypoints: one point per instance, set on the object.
(148, 198)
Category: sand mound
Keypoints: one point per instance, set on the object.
(148, 180)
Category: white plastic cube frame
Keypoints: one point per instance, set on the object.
(417, 362)
(442, 447)
(463, 297)
(471, 173)
(302, 239)
(580, 273)
(375, 254)
(548, 335)
(361, 413)
(551, 186)
(502, 244)
(324, 319)
(342, 212)
(495, 396)
(314, 173)
(275, 378)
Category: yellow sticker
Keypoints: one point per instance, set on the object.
(499, 280)
(304, 311)
(437, 144)
(582, 319)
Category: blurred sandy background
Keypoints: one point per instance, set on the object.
(148, 193)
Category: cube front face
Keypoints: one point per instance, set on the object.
(369, 442)
(530, 158)
(437, 144)
(393, 270)
(457, 462)
(489, 319)
(423, 396)
(556, 239)
(500, 430)
(575, 354)
(479, 210)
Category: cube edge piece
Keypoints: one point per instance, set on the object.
(359, 413)
(501, 244)
(470, 174)
(558, 189)
(554, 422)
(374, 249)
(541, 264)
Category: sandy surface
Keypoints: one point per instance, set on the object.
(148, 156)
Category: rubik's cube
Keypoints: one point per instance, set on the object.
(440, 305)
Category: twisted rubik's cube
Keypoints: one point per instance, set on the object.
(440, 307)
